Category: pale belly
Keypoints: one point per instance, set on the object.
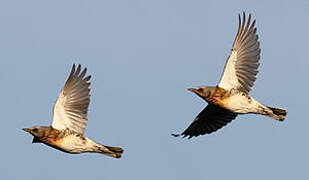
(242, 104)
(75, 144)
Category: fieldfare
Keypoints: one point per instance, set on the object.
(70, 116)
(231, 96)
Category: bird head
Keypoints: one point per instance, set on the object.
(203, 91)
(36, 132)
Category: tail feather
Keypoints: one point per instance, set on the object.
(277, 113)
(115, 152)
(115, 149)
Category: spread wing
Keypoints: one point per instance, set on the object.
(242, 65)
(212, 118)
(71, 107)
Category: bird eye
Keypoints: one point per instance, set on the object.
(35, 130)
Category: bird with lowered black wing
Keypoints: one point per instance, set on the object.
(231, 96)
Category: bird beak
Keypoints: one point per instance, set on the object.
(26, 129)
(191, 89)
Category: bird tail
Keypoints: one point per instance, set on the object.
(115, 152)
(277, 113)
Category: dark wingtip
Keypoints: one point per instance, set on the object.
(182, 135)
(78, 68)
(175, 135)
(73, 68)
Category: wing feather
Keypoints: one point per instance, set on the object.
(242, 65)
(212, 118)
(71, 107)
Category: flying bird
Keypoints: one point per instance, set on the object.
(70, 117)
(231, 96)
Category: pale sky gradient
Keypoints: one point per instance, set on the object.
(143, 55)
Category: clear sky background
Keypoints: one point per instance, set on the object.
(143, 55)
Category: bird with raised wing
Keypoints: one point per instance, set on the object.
(70, 117)
(231, 96)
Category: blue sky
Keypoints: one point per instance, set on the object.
(143, 55)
